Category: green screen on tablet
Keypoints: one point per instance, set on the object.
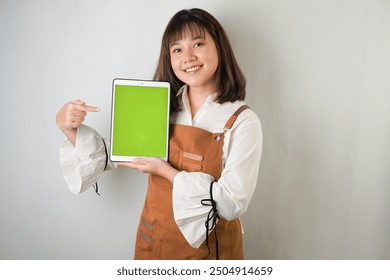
(140, 119)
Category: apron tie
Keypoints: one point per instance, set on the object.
(95, 185)
(212, 218)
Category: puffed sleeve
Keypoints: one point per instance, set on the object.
(83, 164)
(233, 191)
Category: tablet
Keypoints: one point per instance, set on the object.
(139, 119)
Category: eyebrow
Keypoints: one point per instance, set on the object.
(193, 39)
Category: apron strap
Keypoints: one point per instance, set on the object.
(213, 216)
(231, 121)
(233, 118)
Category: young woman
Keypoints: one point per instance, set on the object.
(194, 201)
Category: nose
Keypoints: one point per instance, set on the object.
(189, 56)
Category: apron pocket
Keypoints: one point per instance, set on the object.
(174, 246)
(192, 167)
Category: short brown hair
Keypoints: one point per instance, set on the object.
(230, 79)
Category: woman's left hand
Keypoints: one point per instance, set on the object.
(154, 166)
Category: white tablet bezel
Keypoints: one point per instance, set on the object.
(132, 82)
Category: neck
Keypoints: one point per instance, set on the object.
(197, 98)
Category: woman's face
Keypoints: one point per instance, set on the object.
(194, 60)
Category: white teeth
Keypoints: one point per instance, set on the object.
(192, 69)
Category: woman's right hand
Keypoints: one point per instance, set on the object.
(71, 116)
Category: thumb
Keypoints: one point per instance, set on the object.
(78, 102)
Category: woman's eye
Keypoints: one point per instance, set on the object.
(198, 45)
(176, 50)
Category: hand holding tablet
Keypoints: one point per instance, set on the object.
(139, 120)
(152, 165)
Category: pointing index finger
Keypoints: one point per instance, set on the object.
(87, 108)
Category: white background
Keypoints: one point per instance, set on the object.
(318, 77)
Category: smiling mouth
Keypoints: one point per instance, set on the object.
(193, 69)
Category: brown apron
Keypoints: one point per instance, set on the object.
(194, 150)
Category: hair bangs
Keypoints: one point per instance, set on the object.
(184, 29)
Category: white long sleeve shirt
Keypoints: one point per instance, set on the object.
(83, 164)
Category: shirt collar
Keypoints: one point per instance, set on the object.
(183, 91)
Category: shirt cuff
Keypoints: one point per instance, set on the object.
(189, 214)
(83, 164)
